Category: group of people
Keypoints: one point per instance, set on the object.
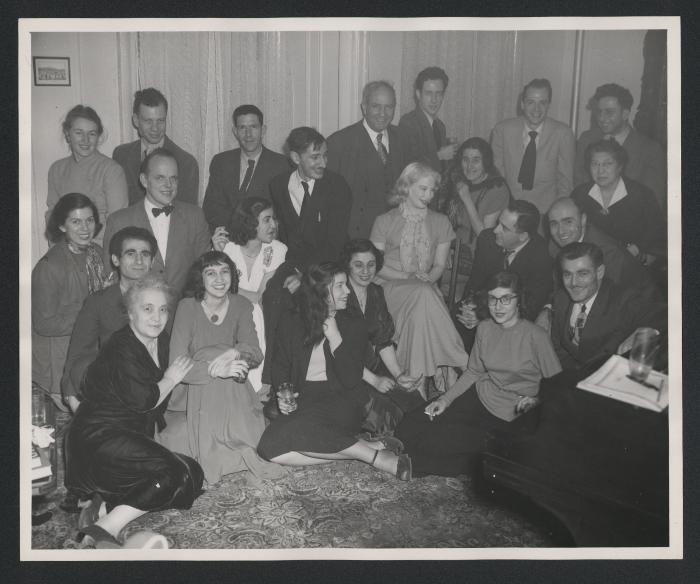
(169, 337)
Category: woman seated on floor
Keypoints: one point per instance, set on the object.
(224, 419)
(257, 255)
(362, 260)
(320, 349)
(416, 241)
(111, 456)
(511, 355)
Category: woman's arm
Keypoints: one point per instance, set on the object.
(441, 253)
(390, 273)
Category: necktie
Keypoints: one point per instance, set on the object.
(526, 176)
(307, 198)
(436, 134)
(248, 175)
(381, 150)
(507, 255)
(578, 325)
(158, 210)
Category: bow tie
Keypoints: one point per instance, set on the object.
(158, 210)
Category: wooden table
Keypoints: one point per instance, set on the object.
(598, 465)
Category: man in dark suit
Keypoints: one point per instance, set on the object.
(514, 245)
(149, 117)
(423, 134)
(533, 152)
(131, 250)
(611, 105)
(243, 172)
(370, 157)
(591, 316)
(312, 204)
(568, 224)
(180, 229)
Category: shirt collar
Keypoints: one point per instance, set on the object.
(245, 158)
(619, 194)
(516, 250)
(147, 146)
(621, 136)
(431, 119)
(149, 206)
(373, 134)
(298, 180)
(527, 130)
(588, 303)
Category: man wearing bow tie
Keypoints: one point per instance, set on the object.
(180, 229)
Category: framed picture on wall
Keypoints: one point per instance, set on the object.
(52, 71)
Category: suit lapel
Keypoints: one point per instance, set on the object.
(176, 233)
(141, 220)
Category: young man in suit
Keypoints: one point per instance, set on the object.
(611, 105)
(370, 157)
(423, 134)
(591, 316)
(243, 172)
(533, 152)
(312, 204)
(514, 245)
(131, 250)
(149, 118)
(180, 229)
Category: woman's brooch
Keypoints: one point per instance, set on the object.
(267, 257)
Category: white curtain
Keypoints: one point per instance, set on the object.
(485, 74)
(205, 76)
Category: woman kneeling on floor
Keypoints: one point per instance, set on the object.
(511, 355)
(110, 452)
(320, 350)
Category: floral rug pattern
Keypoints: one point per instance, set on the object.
(344, 504)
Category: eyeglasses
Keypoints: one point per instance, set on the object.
(503, 300)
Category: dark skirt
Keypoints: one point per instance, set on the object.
(326, 421)
(450, 444)
(127, 467)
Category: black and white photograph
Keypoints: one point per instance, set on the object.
(345, 288)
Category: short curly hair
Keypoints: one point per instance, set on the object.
(148, 282)
(195, 281)
(85, 112)
(59, 214)
(244, 220)
(360, 246)
(622, 94)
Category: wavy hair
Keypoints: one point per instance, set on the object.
(195, 280)
(360, 246)
(59, 214)
(313, 298)
(408, 177)
(244, 221)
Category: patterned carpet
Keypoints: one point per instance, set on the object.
(337, 505)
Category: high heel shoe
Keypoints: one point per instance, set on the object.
(404, 468)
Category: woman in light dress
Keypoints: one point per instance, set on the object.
(257, 254)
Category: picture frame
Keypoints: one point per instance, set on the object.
(52, 71)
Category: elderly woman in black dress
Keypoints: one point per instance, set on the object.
(320, 349)
(110, 452)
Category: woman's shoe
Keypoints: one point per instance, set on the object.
(404, 468)
(392, 444)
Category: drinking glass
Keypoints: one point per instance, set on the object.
(286, 395)
(645, 346)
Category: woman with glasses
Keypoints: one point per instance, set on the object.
(510, 357)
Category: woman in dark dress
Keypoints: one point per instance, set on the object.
(624, 209)
(320, 349)
(110, 452)
(394, 390)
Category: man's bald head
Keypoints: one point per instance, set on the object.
(567, 223)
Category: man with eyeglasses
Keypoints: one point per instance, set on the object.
(591, 316)
(513, 245)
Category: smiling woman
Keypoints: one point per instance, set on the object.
(87, 170)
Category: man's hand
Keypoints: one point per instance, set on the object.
(544, 319)
(383, 384)
(447, 152)
(219, 239)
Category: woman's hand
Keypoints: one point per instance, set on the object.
(219, 365)
(467, 316)
(219, 239)
(407, 382)
(73, 403)
(292, 283)
(436, 407)
(526, 403)
(178, 369)
(284, 405)
(383, 384)
(237, 368)
(424, 277)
